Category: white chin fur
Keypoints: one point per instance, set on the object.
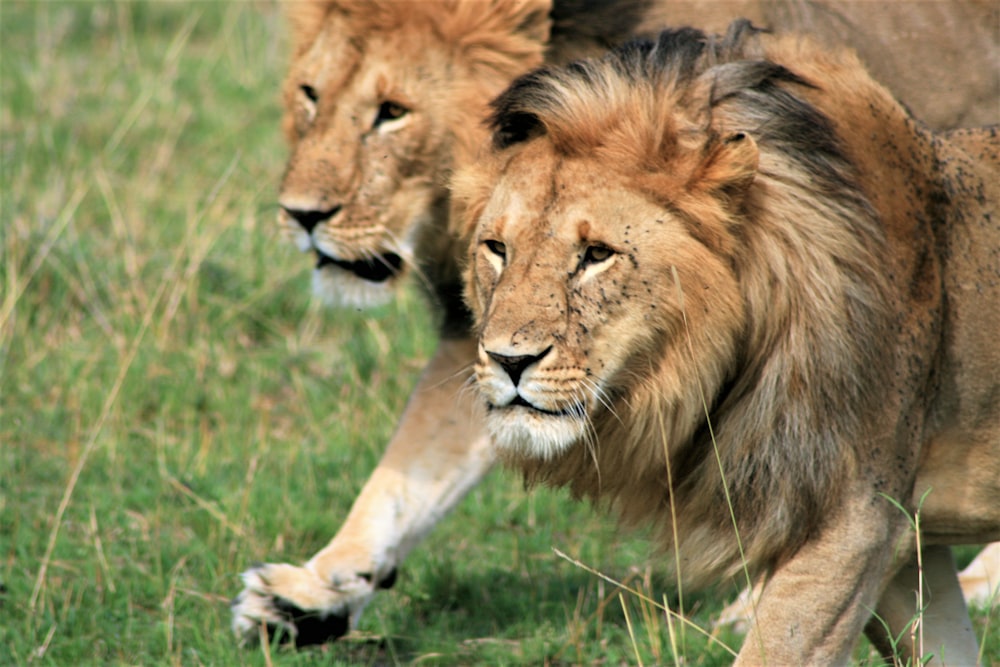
(535, 435)
(301, 240)
(342, 289)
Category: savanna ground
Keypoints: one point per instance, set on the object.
(174, 406)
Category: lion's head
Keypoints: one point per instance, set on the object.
(668, 233)
(379, 104)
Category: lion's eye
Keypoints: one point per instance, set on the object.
(389, 111)
(596, 254)
(309, 92)
(497, 248)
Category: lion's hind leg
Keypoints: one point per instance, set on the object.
(941, 631)
(980, 580)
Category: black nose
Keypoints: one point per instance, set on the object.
(309, 219)
(515, 366)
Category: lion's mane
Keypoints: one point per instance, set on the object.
(770, 430)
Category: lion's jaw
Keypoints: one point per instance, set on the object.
(354, 270)
(355, 267)
(378, 109)
(573, 277)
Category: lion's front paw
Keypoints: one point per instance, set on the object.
(297, 604)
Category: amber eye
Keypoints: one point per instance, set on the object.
(596, 254)
(497, 248)
(389, 111)
(309, 92)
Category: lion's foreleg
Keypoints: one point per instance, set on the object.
(979, 581)
(942, 629)
(815, 605)
(437, 454)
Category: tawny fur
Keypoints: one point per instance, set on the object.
(810, 224)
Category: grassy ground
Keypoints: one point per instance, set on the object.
(175, 407)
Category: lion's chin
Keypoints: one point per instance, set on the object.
(342, 288)
(524, 433)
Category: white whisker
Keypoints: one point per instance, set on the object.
(405, 250)
(589, 435)
(597, 392)
(469, 385)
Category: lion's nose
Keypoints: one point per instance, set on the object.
(309, 219)
(516, 365)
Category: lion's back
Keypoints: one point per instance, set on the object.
(939, 58)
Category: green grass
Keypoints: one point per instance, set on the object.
(175, 407)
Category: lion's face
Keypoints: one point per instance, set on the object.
(379, 100)
(578, 280)
(366, 152)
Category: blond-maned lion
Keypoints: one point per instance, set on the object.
(383, 99)
(730, 287)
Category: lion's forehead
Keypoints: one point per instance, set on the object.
(350, 71)
(355, 52)
(575, 201)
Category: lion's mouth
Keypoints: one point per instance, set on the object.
(574, 410)
(375, 269)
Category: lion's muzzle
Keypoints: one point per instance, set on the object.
(528, 410)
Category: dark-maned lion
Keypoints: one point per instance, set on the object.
(383, 99)
(732, 288)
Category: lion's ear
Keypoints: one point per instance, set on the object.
(729, 166)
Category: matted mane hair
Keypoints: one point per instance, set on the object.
(786, 417)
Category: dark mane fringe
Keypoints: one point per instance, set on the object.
(601, 23)
(670, 61)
